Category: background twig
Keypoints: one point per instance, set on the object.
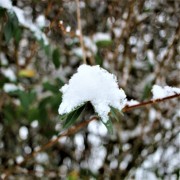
(80, 35)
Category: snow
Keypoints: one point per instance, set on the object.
(94, 84)
(90, 48)
(23, 132)
(101, 37)
(90, 44)
(41, 21)
(161, 92)
(9, 73)
(6, 4)
(132, 102)
(30, 25)
(24, 21)
(10, 87)
(3, 59)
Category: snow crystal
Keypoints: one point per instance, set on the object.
(161, 92)
(94, 84)
(101, 37)
(132, 102)
(6, 4)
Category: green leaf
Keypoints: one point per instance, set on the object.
(26, 98)
(11, 29)
(33, 114)
(9, 114)
(109, 126)
(56, 58)
(98, 59)
(147, 91)
(116, 113)
(104, 43)
(73, 116)
(8, 31)
(50, 87)
(17, 34)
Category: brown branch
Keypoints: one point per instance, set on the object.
(153, 101)
(78, 127)
(80, 35)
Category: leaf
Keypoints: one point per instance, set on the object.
(98, 59)
(50, 87)
(11, 29)
(113, 112)
(9, 117)
(26, 98)
(116, 113)
(109, 126)
(33, 114)
(147, 91)
(29, 73)
(8, 31)
(56, 58)
(104, 43)
(73, 116)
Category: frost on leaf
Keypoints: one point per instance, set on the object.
(161, 92)
(93, 84)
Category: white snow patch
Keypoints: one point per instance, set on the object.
(23, 132)
(9, 73)
(78, 52)
(6, 4)
(90, 44)
(9, 87)
(132, 102)
(161, 92)
(24, 21)
(101, 37)
(3, 59)
(41, 21)
(29, 24)
(94, 84)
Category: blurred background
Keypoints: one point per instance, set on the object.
(137, 40)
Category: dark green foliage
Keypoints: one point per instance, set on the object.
(105, 43)
(11, 28)
(72, 116)
(56, 58)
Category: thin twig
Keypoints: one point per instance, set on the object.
(80, 35)
(153, 101)
(78, 127)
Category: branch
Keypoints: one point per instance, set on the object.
(153, 101)
(80, 35)
(78, 127)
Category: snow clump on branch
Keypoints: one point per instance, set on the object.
(162, 92)
(94, 84)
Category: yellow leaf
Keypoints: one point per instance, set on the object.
(27, 73)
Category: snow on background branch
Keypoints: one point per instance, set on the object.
(24, 21)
